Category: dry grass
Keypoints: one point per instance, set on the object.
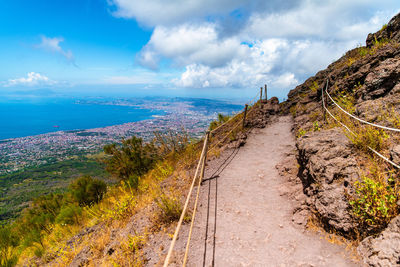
(314, 224)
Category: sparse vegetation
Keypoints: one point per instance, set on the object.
(87, 191)
(316, 126)
(293, 110)
(374, 201)
(365, 136)
(362, 51)
(8, 246)
(220, 120)
(22, 186)
(132, 158)
(301, 132)
(170, 207)
(369, 136)
(314, 87)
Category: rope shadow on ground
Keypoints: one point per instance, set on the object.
(215, 176)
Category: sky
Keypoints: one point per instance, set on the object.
(210, 48)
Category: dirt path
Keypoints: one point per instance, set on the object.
(253, 221)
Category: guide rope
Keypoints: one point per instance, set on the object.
(361, 120)
(350, 131)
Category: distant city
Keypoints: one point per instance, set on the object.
(191, 114)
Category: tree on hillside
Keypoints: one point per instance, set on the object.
(37, 220)
(8, 246)
(87, 191)
(132, 159)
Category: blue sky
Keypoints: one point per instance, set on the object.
(199, 47)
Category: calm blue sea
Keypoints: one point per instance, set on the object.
(32, 116)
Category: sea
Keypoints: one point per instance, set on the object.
(32, 116)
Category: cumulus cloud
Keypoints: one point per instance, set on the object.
(32, 79)
(188, 44)
(334, 20)
(258, 66)
(53, 45)
(239, 43)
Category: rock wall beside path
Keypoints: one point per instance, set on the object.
(329, 164)
(383, 250)
(327, 170)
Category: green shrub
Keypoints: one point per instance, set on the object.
(374, 203)
(171, 207)
(346, 100)
(220, 120)
(363, 51)
(37, 220)
(314, 87)
(133, 157)
(301, 132)
(369, 136)
(135, 243)
(8, 247)
(87, 190)
(69, 214)
(133, 181)
(316, 126)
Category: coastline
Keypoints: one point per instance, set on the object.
(194, 117)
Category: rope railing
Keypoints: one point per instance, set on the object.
(201, 166)
(348, 129)
(361, 120)
(171, 248)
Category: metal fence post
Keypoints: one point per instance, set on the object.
(261, 89)
(265, 92)
(244, 115)
(323, 103)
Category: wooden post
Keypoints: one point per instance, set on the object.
(323, 103)
(261, 93)
(205, 156)
(265, 92)
(244, 115)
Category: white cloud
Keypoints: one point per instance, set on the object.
(239, 43)
(329, 20)
(53, 45)
(286, 80)
(188, 44)
(257, 67)
(32, 79)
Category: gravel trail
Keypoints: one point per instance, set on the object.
(253, 224)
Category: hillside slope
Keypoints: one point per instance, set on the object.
(351, 190)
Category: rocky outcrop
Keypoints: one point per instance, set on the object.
(327, 170)
(263, 113)
(389, 31)
(329, 163)
(383, 250)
